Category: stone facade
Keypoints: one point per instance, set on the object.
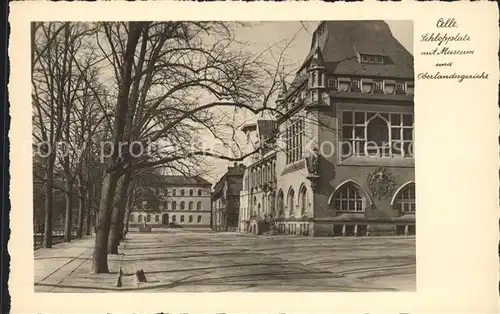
(179, 201)
(226, 199)
(342, 160)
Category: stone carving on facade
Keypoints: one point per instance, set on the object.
(381, 183)
(312, 161)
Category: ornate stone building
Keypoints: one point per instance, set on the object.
(179, 200)
(226, 199)
(339, 158)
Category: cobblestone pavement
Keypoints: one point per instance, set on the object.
(184, 261)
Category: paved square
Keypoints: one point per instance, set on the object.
(187, 261)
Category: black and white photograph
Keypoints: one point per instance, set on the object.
(214, 156)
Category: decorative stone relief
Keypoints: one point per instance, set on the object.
(381, 183)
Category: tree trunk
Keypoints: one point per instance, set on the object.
(130, 205)
(100, 256)
(81, 211)
(68, 224)
(88, 222)
(118, 214)
(47, 239)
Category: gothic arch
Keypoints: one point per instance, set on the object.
(364, 193)
(401, 188)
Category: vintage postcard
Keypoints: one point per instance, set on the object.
(170, 157)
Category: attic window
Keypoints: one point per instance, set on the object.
(372, 59)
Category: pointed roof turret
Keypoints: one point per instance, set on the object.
(283, 88)
(317, 61)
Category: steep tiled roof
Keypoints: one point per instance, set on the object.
(341, 41)
(182, 180)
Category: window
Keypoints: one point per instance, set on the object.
(405, 200)
(157, 218)
(389, 87)
(182, 218)
(372, 59)
(174, 205)
(165, 205)
(132, 217)
(400, 88)
(378, 87)
(281, 204)
(139, 218)
(174, 192)
(191, 193)
(332, 83)
(148, 218)
(191, 206)
(199, 192)
(190, 218)
(198, 219)
(376, 134)
(366, 86)
(291, 205)
(174, 219)
(355, 85)
(294, 138)
(348, 199)
(303, 200)
(183, 205)
(182, 192)
(198, 206)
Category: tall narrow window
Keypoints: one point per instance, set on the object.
(198, 206)
(199, 192)
(198, 219)
(191, 193)
(348, 199)
(182, 218)
(190, 218)
(291, 203)
(174, 205)
(174, 192)
(294, 141)
(303, 200)
(183, 205)
(405, 200)
(191, 206)
(281, 204)
(182, 192)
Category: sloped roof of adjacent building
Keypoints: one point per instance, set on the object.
(341, 41)
(179, 180)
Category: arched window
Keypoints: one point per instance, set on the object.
(174, 205)
(198, 206)
(148, 218)
(191, 192)
(290, 202)
(174, 192)
(183, 206)
(199, 192)
(182, 192)
(132, 217)
(139, 218)
(157, 218)
(281, 204)
(182, 218)
(190, 205)
(303, 200)
(348, 199)
(190, 218)
(405, 199)
(198, 219)
(174, 219)
(378, 137)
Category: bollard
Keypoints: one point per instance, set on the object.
(140, 276)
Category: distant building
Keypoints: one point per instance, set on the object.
(338, 160)
(184, 201)
(226, 199)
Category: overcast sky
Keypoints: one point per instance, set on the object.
(262, 35)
